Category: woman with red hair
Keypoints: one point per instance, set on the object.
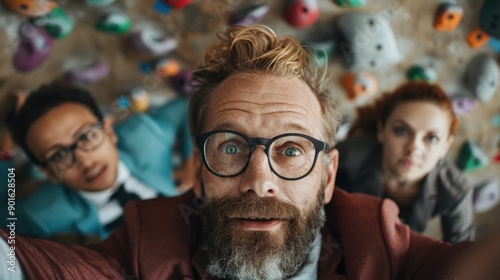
(397, 149)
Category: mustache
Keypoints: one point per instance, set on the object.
(251, 205)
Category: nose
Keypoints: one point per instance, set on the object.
(414, 146)
(258, 177)
(83, 158)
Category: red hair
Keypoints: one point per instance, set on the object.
(380, 110)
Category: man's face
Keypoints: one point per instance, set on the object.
(96, 169)
(256, 211)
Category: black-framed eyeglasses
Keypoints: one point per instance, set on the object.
(291, 156)
(64, 158)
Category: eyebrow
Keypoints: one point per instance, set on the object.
(74, 136)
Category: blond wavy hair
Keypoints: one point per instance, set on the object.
(257, 49)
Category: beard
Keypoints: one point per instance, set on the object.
(236, 253)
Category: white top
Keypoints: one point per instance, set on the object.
(110, 210)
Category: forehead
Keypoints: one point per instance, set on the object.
(422, 115)
(264, 105)
(58, 126)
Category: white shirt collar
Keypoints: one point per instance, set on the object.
(100, 198)
(310, 269)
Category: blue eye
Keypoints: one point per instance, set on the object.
(291, 152)
(432, 138)
(231, 150)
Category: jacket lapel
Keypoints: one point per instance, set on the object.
(362, 244)
(425, 203)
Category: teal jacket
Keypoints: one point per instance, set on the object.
(146, 146)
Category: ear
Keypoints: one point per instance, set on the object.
(331, 172)
(198, 165)
(108, 128)
(380, 132)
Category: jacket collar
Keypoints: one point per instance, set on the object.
(425, 202)
(331, 264)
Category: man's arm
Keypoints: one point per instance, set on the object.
(479, 262)
(43, 259)
(412, 255)
(8, 258)
(462, 261)
(430, 259)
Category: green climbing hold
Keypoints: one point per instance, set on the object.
(57, 24)
(351, 3)
(471, 157)
(419, 73)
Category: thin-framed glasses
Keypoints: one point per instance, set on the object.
(291, 156)
(64, 158)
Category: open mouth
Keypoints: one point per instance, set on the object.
(95, 173)
(257, 223)
(256, 218)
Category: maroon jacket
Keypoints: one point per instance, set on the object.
(362, 239)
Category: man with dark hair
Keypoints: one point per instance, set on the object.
(93, 168)
(264, 204)
(40, 102)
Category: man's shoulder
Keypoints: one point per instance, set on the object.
(166, 231)
(359, 218)
(362, 203)
(177, 213)
(187, 199)
(370, 234)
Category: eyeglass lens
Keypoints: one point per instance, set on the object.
(64, 158)
(289, 156)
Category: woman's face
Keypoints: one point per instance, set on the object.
(414, 138)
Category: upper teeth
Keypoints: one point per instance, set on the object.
(95, 172)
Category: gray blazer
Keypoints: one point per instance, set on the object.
(445, 191)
